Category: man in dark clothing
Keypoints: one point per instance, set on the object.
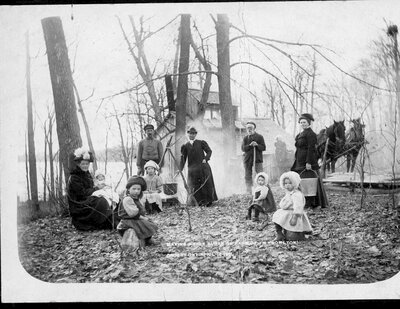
(148, 149)
(253, 145)
(200, 178)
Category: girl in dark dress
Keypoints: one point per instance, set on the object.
(132, 212)
(87, 212)
(306, 160)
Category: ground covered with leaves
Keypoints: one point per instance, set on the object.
(349, 245)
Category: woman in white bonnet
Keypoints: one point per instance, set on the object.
(291, 215)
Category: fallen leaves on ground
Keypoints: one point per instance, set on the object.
(348, 245)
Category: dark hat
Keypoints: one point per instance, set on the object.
(251, 122)
(308, 117)
(83, 154)
(148, 126)
(191, 130)
(136, 180)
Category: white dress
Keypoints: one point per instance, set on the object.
(153, 183)
(292, 203)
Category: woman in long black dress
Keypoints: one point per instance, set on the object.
(306, 160)
(88, 212)
(200, 178)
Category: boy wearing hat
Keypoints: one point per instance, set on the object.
(149, 148)
(253, 145)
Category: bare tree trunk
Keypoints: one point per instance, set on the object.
(207, 84)
(68, 130)
(123, 150)
(145, 72)
(314, 65)
(60, 177)
(176, 63)
(182, 90)
(89, 138)
(224, 82)
(31, 139)
(143, 67)
(51, 158)
(170, 93)
(45, 164)
(27, 172)
(106, 154)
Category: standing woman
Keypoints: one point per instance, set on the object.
(306, 159)
(88, 212)
(200, 177)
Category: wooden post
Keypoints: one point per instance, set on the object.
(324, 158)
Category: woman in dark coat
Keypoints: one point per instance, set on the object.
(200, 178)
(88, 212)
(306, 160)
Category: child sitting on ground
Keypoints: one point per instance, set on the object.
(105, 188)
(262, 200)
(132, 212)
(291, 215)
(153, 200)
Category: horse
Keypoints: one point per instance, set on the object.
(336, 134)
(355, 139)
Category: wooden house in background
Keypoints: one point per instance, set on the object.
(211, 130)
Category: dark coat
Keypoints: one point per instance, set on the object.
(199, 173)
(248, 150)
(306, 152)
(143, 228)
(87, 212)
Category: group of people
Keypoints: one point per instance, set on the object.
(93, 205)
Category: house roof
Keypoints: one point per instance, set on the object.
(213, 96)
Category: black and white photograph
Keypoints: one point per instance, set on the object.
(200, 151)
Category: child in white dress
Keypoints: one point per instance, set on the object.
(291, 215)
(152, 197)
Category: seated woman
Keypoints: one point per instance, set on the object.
(88, 212)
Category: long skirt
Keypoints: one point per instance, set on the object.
(201, 181)
(91, 214)
(143, 228)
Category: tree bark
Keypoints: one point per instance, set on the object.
(68, 130)
(27, 171)
(51, 158)
(207, 84)
(85, 124)
(176, 63)
(182, 89)
(31, 139)
(45, 164)
(170, 93)
(224, 82)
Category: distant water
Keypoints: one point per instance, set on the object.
(114, 170)
(224, 187)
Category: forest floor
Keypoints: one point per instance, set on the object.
(349, 245)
